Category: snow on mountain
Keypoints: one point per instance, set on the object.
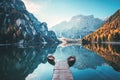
(78, 26)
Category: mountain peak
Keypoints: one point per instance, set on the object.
(78, 26)
(19, 25)
(81, 17)
(118, 10)
(12, 4)
(109, 31)
(115, 16)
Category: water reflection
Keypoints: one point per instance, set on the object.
(100, 73)
(30, 63)
(17, 63)
(110, 52)
(84, 58)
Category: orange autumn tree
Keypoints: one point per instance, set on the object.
(108, 32)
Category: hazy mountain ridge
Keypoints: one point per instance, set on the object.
(79, 26)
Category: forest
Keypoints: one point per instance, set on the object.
(108, 32)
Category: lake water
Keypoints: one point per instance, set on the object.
(93, 62)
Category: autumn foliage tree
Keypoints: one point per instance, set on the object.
(108, 32)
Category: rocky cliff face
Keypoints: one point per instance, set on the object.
(109, 31)
(79, 26)
(18, 25)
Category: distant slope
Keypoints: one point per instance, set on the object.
(79, 26)
(110, 31)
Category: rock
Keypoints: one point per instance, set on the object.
(78, 27)
(17, 24)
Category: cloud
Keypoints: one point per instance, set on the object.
(37, 8)
(33, 7)
(42, 10)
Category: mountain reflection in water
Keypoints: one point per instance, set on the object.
(31, 63)
(110, 52)
(17, 63)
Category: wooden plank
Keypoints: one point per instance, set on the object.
(61, 71)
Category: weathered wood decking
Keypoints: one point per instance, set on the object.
(61, 71)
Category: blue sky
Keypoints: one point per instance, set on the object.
(55, 11)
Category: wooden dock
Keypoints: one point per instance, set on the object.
(62, 71)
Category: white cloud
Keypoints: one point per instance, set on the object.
(33, 7)
(40, 9)
(36, 8)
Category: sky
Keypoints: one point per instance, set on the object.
(55, 11)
